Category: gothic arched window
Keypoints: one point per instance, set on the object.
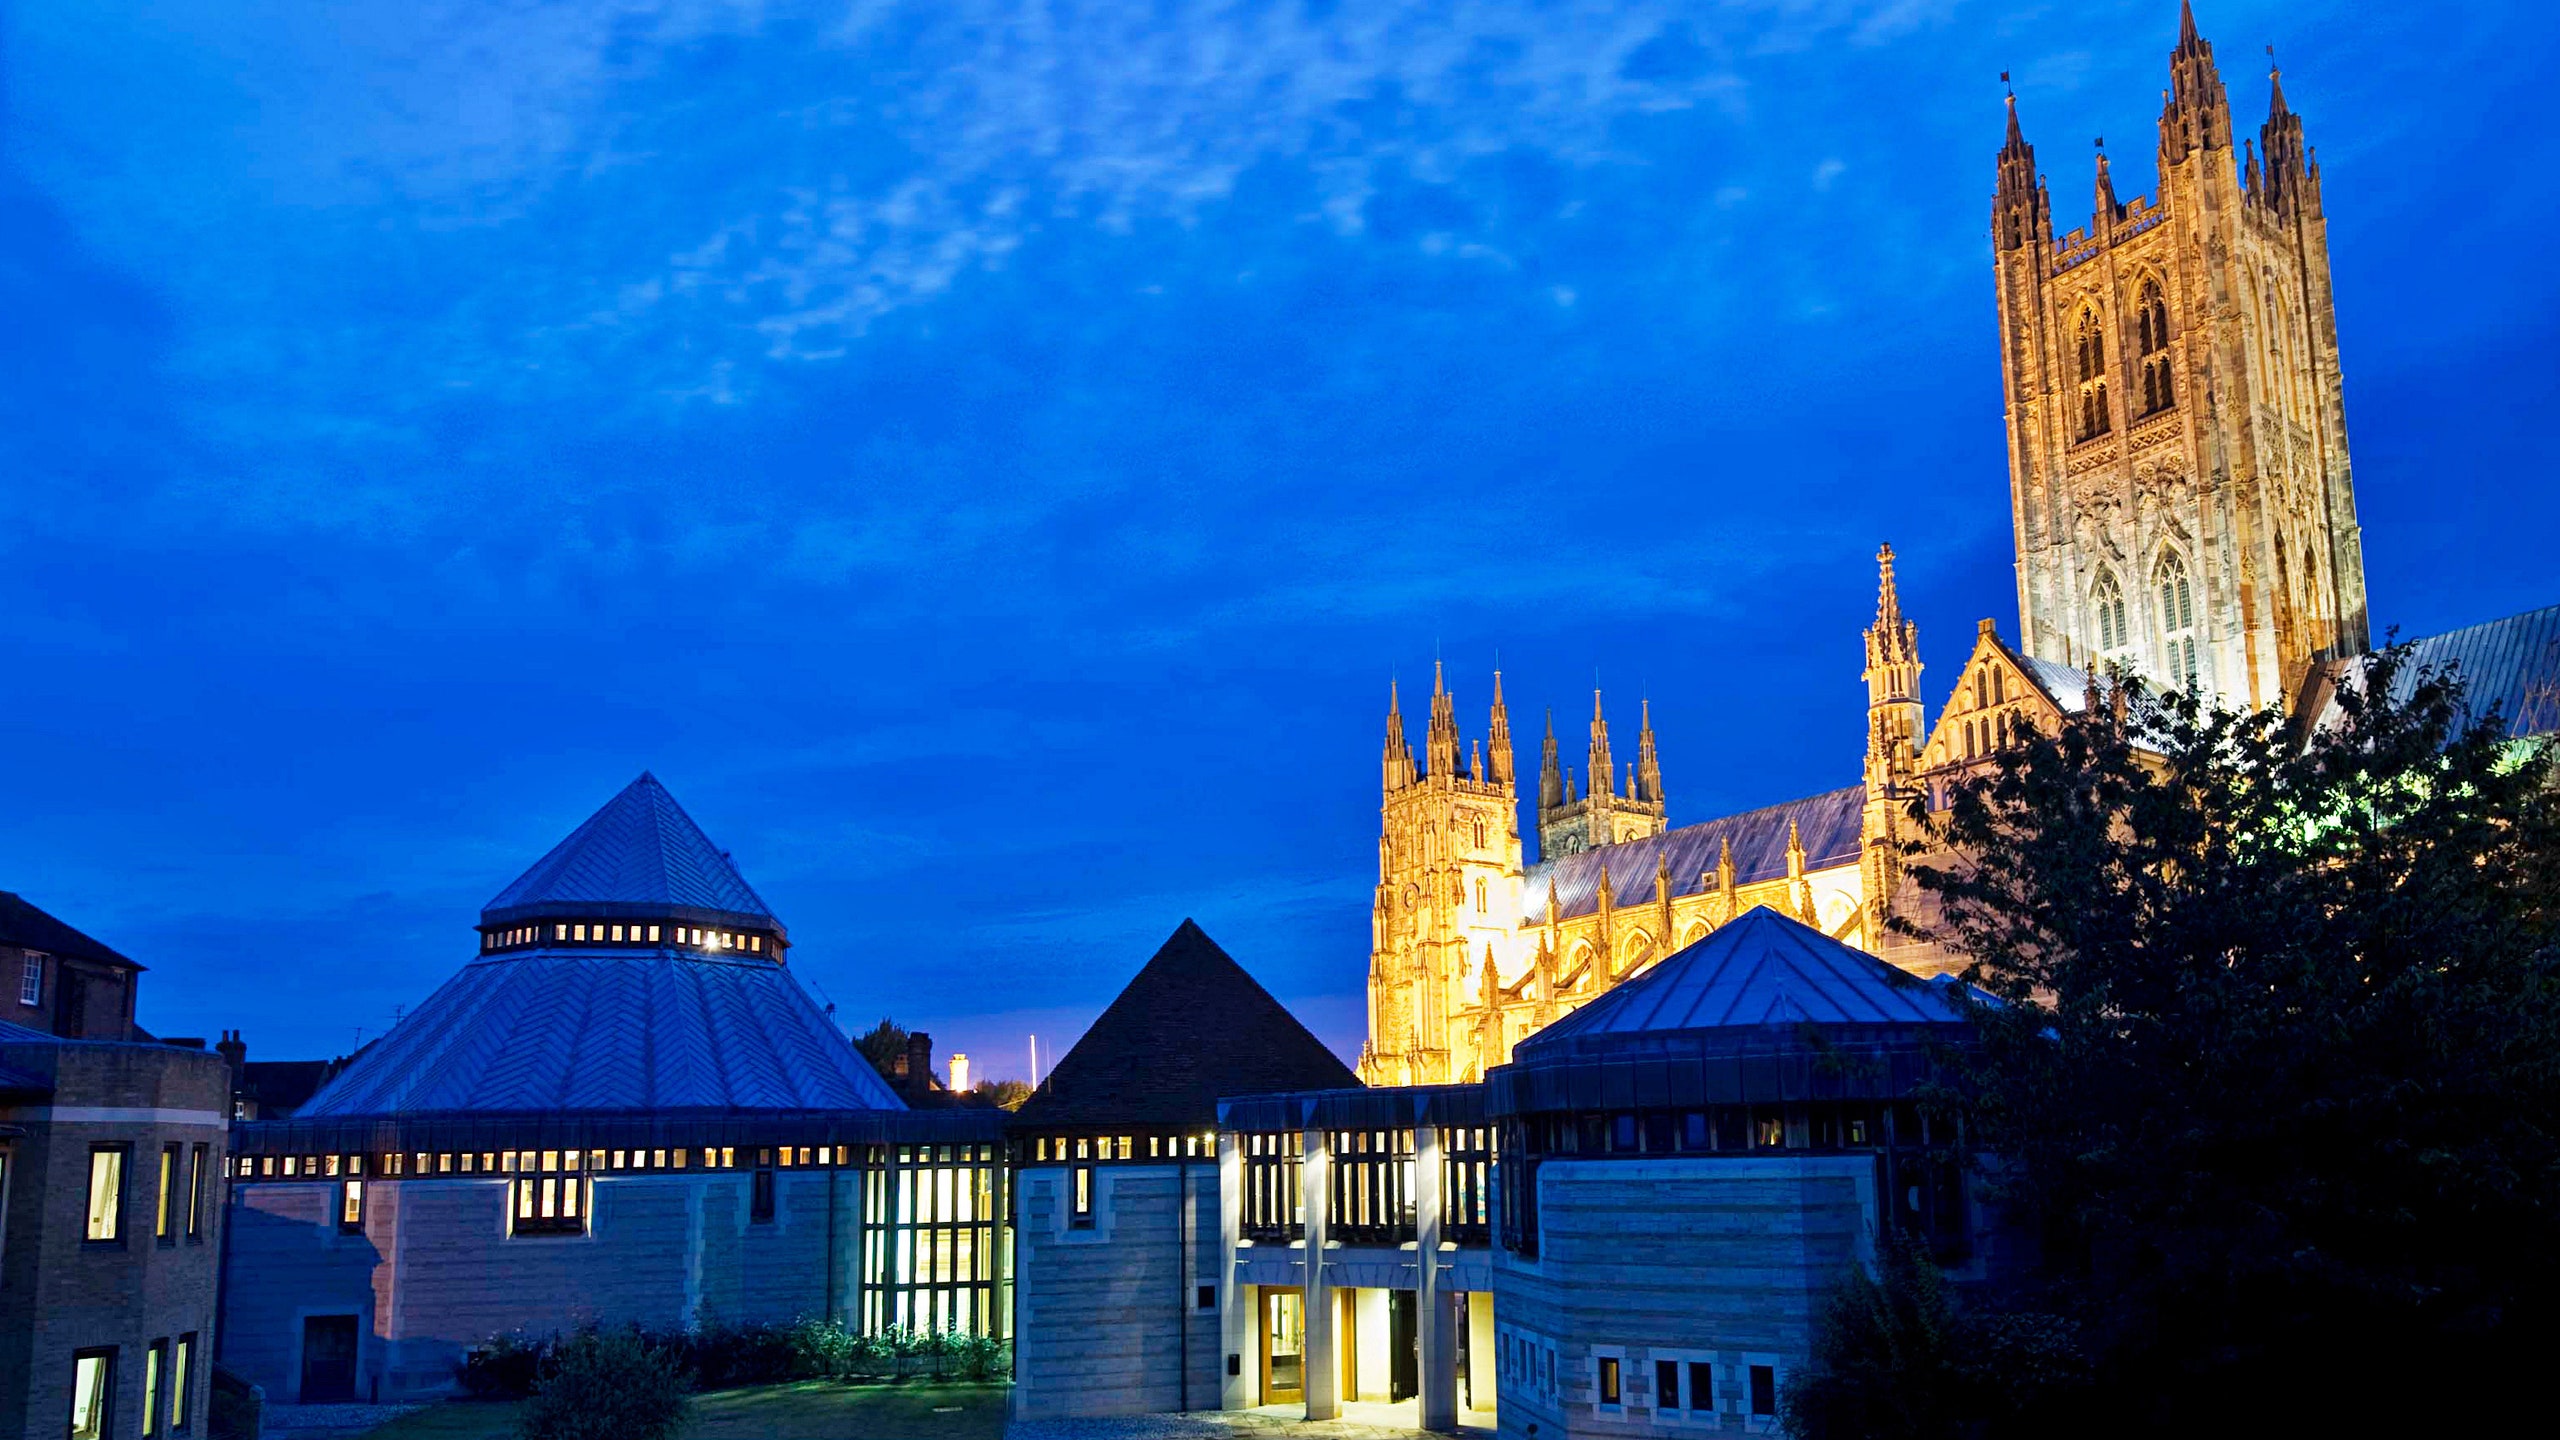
(2108, 600)
(2090, 346)
(2177, 618)
(2152, 330)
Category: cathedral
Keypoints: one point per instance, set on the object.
(2183, 511)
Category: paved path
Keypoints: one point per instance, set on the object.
(1380, 1422)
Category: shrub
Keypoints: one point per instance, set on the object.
(820, 1349)
(504, 1367)
(615, 1385)
(726, 1355)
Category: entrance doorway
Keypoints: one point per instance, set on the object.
(328, 1359)
(1404, 1361)
(1284, 1347)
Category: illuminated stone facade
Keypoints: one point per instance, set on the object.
(2183, 509)
(2178, 467)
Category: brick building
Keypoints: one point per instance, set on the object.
(111, 1156)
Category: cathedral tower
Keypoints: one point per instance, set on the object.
(2178, 471)
(1448, 896)
(1572, 820)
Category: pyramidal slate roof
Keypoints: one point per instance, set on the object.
(636, 1029)
(1189, 1028)
(640, 851)
(1761, 971)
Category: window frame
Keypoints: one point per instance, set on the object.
(164, 1217)
(1609, 1380)
(122, 1154)
(569, 1216)
(31, 980)
(155, 1384)
(199, 1158)
(105, 1392)
(182, 1355)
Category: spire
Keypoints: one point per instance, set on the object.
(1397, 766)
(1440, 754)
(2020, 218)
(2287, 177)
(1550, 774)
(2197, 114)
(1603, 774)
(1503, 773)
(1648, 782)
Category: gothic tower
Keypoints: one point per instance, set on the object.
(2178, 468)
(1572, 820)
(1448, 892)
(1896, 730)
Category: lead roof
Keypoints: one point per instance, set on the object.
(1827, 824)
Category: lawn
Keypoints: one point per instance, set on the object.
(811, 1410)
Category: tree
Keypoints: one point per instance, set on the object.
(885, 1046)
(2272, 1047)
(1003, 1094)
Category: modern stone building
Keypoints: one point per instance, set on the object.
(111, 1155)
(1119, 1192)
(623, 1109)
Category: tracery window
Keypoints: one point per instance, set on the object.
(2177, 619)
(2152, 330)
(2090, 346)
(2108, 601)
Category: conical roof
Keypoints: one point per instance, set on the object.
(546, 1032)
(1761, 971)
(619, 1018)
(639, 855)
(1190, 1028)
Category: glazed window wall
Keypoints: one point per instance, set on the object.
(932, 1239)
(1919, 1156)
(1371, 1173)
(1274, 1206)
(1466, 1183)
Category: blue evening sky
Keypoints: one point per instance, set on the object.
(989, 459)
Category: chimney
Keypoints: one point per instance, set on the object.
(920, 1062)
(232, 1048)
(959, 1072)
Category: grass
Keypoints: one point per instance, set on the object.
(809, 1410)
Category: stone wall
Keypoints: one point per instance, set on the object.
(434, 1272)
(1717, 1261)
(1106, 1317)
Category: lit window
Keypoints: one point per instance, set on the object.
(195, 1195)
(1081, 1217)
(93, 1388)
(106, 1193)
(617, 932)
(351, 1206)
(1609, 1380)
(182, 1368)
(559, 932)
(164, 1223)
(154, 1361)
(653, 934)
(31, 981)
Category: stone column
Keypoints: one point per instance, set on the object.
(1437, 1351)
(1236, 1338)
(1315, 1180)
